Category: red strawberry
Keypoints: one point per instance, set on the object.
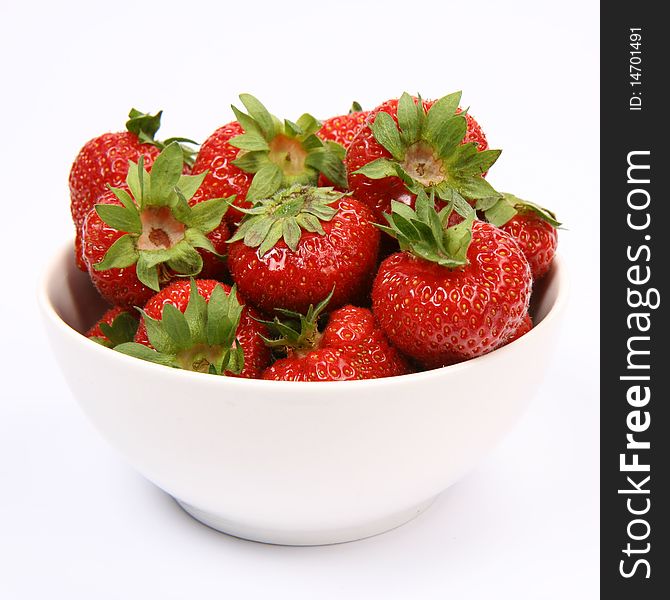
(452, 293)
(522, 329)
(259, 155)
(351, 347)
(409, 146)
(115, 327)
(533, 227)
(103, 161)
(223, 178)
(292, 249)
(537, 238)
(201, 326)
(343, 128)
(135, 244)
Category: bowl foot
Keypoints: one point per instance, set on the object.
(305, 537)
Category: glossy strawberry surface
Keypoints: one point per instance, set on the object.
(343, 128)
(522, 329)
(439, 316)
(364, 148)
(256, 353)
(344, 258)
(352, 346)
(223, 178)
(537, 239)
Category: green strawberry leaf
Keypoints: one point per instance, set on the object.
(386, 133)
(429, 153)
(448, 135)
(475, 187)
(158, 336)
(273, 235)
(294, 330)
(281, 153)
(500, 212)
(144, 353)
(184, 259)
(206, 216)
(252, 161)
(196, 315)
(136, 178)
(265, 183)
(123, 197)
(120, 217)
(424, 233)
(188, 184)
(308, 124)
(410, 118)
(330, 165)
(121, 254)
(144, 125)
(250, 142)
(285, 215)
(378, 169)
(122, 329)
(439, 113)
(175, 325)
(471, 162)
(165, 175)
(525, 206)
(197, 239)
(260, 115)
(147, 272)
(223, 315)
(246, 121)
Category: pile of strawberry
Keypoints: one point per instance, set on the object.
(367, 245)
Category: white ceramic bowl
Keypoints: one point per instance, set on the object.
(296, 463)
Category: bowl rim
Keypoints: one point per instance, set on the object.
(49, 312)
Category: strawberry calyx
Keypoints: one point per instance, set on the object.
(499, 211)
(425, 233)
(285, 215)
(145, 126)
(297, 333)
(121, 330)
(281, 154)
(202, 338)
(163, 232)
(428, 153)
(355, 107)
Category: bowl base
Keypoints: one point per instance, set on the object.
(305, 538)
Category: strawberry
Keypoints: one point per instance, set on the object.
(115, 327)
(533, 227)
(258, 155)
(201, 326)
(452, 293)
(103, 161)
(351, 346)
(137, 238)
(292, 249)
(410, 145)
(522, 329)
(343, 128)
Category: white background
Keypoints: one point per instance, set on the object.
(75, 521)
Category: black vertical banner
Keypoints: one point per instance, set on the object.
(635, 254)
